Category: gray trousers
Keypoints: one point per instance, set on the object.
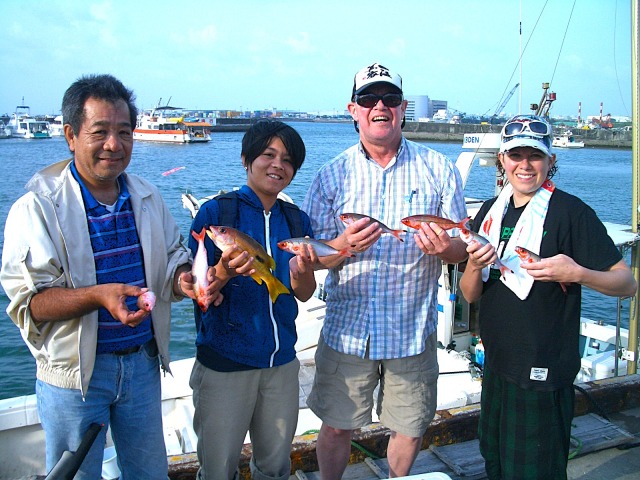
(263, 402)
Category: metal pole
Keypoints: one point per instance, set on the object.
(632, 363)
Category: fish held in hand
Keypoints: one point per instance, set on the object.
(469, 236)
(146, 301)
(295, 246)
(263, 263)
(414, 221)
(349, 218)
(527, 256)
(199, 270)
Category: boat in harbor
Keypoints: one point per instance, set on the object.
(23, 125)
(5, 131)
(459, 385)
(566, 140)
(56, 126)
(166, 124)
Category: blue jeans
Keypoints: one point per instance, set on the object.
(124, 393)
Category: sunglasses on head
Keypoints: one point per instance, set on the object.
(535, 127)
(370, 100)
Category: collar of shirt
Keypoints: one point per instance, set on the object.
(90, 201)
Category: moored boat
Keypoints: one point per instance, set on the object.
(165, 124)
(459, 384)
(23, 125)
(566, 140)
(56, 126)
(5, 131)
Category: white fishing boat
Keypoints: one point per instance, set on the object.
(5, 131)
(23, 125)
(166, 124)
(459, 384)
(566, 140)
(56, 126)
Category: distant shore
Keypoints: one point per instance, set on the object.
(446, 132)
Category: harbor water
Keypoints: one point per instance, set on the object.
(601, 177)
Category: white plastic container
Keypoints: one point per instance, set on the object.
(600, 365)
(110, 470)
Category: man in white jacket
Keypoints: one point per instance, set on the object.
(80, 248)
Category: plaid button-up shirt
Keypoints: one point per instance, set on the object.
(385, 297)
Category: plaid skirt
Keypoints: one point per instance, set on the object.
(524, 434)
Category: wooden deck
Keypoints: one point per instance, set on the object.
(617, 398)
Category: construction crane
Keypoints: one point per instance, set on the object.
(504, 102)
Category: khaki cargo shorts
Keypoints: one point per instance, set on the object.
(344, 385)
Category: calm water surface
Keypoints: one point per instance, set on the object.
(600, 177)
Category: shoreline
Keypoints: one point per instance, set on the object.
(450, 133)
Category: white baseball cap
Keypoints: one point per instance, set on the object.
(372, 74)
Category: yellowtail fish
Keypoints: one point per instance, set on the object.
(469, 236)
(226, 237)
(527, 256)
(147, 301)
(295, 245)
(414, 221)
(349, 218)
(199, 270)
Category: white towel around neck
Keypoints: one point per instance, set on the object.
(527, 233)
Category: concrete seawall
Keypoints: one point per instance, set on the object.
(446, 132)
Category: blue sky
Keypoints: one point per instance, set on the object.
(302, 54)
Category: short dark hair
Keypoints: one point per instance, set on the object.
(101, 87)
(259, 136)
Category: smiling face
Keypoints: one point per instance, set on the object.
(102, 148)
(380, 126)
(526, 169)
(270, 172)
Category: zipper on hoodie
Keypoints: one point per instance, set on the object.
(274, 324)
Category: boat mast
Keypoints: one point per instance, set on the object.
(632, 363)
(520, 64)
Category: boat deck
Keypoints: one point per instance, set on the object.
(603, 449)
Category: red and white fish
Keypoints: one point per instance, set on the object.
(527, 256)
(414, 221)
(199, 270)
(226, 237)
(469, 236)
(147, 300)
(349, 218)
(295, 246)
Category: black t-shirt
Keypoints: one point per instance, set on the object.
(538, 337)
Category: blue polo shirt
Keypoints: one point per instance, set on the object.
(118, 258)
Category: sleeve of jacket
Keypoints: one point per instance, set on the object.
(30, 263)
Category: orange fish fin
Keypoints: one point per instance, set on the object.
(463, 223)
(397, 233)
(199, 236)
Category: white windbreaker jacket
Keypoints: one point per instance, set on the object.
(47, 244)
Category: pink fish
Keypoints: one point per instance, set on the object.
(147, 300)
(469, 236)
(199, 270)
(294, 245)
(414, 221)
(349, 218)
(527, 256)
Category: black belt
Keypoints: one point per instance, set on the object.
(128, 351)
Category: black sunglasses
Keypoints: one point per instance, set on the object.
(370, 100)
